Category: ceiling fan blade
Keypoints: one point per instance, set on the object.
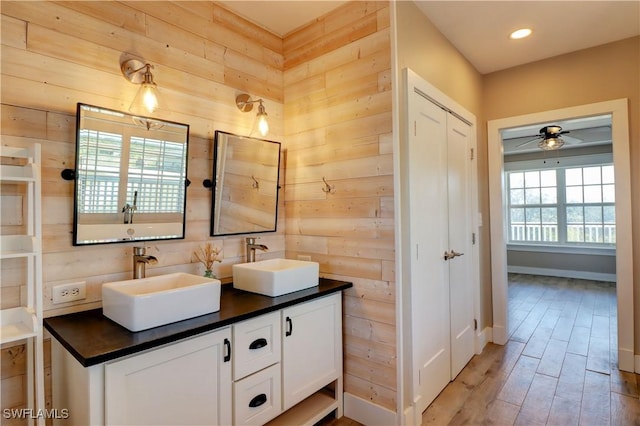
(572, 140)
(528, 142)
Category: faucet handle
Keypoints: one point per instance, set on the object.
(139, 251)
(251, 240)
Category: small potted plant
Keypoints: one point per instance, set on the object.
(208, 255)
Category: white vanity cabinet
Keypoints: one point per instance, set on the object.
(281, 367)
(186, 383)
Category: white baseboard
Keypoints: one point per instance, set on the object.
(637, 364)
(564, 273)
(627, 361)
(499, 334)
(482, 338)
(409, 417)
(366, 412)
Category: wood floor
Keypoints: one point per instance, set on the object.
(558, 367)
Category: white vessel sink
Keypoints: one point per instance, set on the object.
(275, 277)
(151, 302)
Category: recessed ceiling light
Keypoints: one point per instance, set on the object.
(521, 33)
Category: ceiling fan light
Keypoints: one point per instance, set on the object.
(521, 33)
(550, 144)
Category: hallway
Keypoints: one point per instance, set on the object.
(558, 367)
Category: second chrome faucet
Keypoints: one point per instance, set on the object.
(252, 247)
(140, 260)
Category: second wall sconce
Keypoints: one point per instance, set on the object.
(245, 104)
(147, 99)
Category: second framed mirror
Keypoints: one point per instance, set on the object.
(245, 188)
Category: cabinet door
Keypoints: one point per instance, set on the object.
(185, 383)
(312, 347)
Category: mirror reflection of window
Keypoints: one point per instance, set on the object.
(99, 171)
(130, 175)
(156, 175)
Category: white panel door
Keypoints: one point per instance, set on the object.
(428, 235)
(460, 267)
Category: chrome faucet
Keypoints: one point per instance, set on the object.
(251, 248)
(140, 260)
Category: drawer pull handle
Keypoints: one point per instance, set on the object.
(227, 348)
(258, 343)
(288, 327)
(258, 400)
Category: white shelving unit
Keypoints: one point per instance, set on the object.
(21, 166)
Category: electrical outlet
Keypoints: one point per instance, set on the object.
(64, 293)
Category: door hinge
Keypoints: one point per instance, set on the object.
(472, 153)
(473, 238)
(419, 377)
(415, 131)
(475, 324)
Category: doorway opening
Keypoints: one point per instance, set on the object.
(501, 227)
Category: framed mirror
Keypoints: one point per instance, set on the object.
(130, 177)
(245, 189)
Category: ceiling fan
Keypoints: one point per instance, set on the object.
(549, 138)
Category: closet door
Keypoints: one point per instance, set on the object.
(460, 267)
(441, 299)
(429, 298)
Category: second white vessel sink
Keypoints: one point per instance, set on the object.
(154, 301)
(275, 277)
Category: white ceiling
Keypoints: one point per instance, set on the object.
(480, 29)
(281, 17)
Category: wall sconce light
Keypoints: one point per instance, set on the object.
(147, 99)
(245, 104)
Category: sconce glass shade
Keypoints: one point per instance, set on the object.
(245, 104)
(262, 123)
(147, 100)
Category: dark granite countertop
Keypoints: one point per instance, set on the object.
(93, 338)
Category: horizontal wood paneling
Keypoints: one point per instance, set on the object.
(56, 54)
(328, 82)
(338, 129)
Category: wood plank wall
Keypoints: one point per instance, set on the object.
(327, 90)
(337, 91)
(55, 54)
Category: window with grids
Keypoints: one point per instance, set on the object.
(572, 205)
(590, 205)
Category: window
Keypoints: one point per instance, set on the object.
(533, 206)
(569, 205)
(590, 205)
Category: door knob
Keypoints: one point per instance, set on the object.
(451, 254)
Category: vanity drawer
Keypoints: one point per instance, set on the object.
(256, 344)
(258, 398)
